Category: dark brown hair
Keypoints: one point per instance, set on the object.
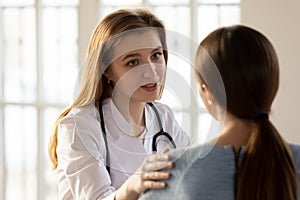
(248, 65)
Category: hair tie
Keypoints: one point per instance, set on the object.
(261, 116)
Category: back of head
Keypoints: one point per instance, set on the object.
(248, 65)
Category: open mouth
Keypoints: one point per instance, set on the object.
(150, 87)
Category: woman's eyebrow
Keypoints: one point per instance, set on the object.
(138, 54)
(157, 48)
(131, 55)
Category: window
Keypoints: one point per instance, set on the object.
(38, 40)
(39, 62)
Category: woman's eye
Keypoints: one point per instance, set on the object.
(156, 55)
(132, 63)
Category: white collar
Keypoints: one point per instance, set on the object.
(143, 134)
(110, 109)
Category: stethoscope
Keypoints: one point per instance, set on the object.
(154, 140)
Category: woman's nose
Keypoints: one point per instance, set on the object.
(150, 71)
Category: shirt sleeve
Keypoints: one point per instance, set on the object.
(81, 153)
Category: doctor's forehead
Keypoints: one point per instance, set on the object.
(135, 41)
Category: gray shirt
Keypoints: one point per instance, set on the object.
(205, 172)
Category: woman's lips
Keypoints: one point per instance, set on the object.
(150, 87)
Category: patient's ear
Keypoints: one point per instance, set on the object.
(206, 97)
(210, 103)
(205, 94)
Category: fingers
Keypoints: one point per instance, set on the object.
(150, 179)
(158, 157)
(158, 165)
(156, 162)
(156, 175)
(154, 185)
(166, 150)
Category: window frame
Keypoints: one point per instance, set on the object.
(86, 23)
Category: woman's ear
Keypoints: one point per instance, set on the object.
(107, 74)
(206, 94)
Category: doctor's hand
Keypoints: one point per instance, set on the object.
(147, 176)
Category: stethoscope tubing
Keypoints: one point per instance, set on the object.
(154, 145)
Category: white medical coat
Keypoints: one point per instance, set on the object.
(81, 149)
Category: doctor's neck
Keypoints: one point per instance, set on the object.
(134, 113)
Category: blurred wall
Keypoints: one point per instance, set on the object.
(280, 22)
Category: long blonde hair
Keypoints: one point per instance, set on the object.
(94, 85)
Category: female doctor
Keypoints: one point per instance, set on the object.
(102, 145)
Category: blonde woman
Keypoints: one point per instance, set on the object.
(103, 145)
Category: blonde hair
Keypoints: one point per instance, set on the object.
(94, 85)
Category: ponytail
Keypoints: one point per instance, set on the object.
(267, 171)
(53, 139)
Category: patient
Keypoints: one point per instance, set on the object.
(249, 160)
